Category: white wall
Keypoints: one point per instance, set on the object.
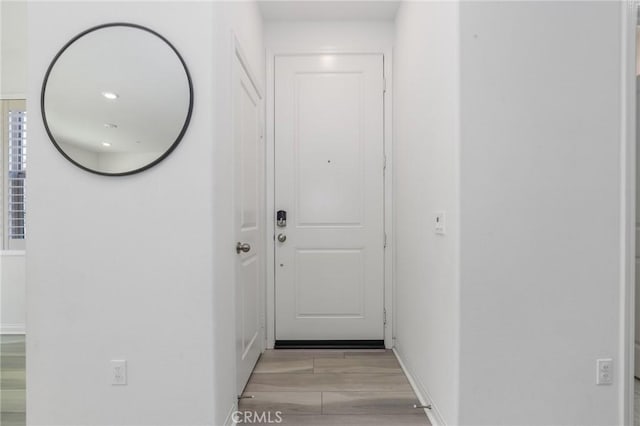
(12, 294)
(13, 49)
(137, 267)
(321, 36)
(540, 212)
(426, 143)
(122, 267)
(537, 169)
(637, 45)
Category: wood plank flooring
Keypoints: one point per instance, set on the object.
(12, 380)
(331, 387)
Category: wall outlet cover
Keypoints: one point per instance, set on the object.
(604, 371)
(118, 372)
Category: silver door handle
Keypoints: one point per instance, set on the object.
(242, 247)
(282, 238)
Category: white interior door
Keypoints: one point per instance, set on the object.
(329, 177)
(248, 203)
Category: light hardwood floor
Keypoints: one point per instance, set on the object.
(331, 387)
(12, 380)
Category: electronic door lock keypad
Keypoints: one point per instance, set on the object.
(281, 218)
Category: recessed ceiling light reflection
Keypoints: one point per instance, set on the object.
(328, 60)
(106, 144)
(110, 95)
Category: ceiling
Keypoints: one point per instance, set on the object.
(328, 10)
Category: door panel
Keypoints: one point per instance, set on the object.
(329, 178)
(248, 200)
(323, 274)
(329, 160)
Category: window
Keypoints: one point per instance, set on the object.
(14, 169)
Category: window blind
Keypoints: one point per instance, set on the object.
(17, 169)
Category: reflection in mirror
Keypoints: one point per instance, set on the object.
(117, 99)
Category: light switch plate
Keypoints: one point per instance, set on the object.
(439, 223)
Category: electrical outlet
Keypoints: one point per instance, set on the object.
(604, 371)
(118, 372)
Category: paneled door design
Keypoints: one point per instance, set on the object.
(248, 201)
(329, 176)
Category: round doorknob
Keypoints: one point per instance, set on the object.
(242, 247)
(282, 238)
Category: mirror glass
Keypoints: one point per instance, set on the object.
(117, 99)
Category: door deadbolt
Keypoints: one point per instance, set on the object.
(242, 247)
(282, 238)
(281, 218)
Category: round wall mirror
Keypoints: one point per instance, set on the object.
(117, 99)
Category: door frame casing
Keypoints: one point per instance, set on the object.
(389, 331)
(629, 21)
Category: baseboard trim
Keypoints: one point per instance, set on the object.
(434, 415)
(12, 329)
(329, 344)
(229, 421)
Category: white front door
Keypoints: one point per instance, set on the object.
(248, 201)
(329, 177)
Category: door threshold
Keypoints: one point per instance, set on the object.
(329, 344)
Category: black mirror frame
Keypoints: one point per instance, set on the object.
(182, 131)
